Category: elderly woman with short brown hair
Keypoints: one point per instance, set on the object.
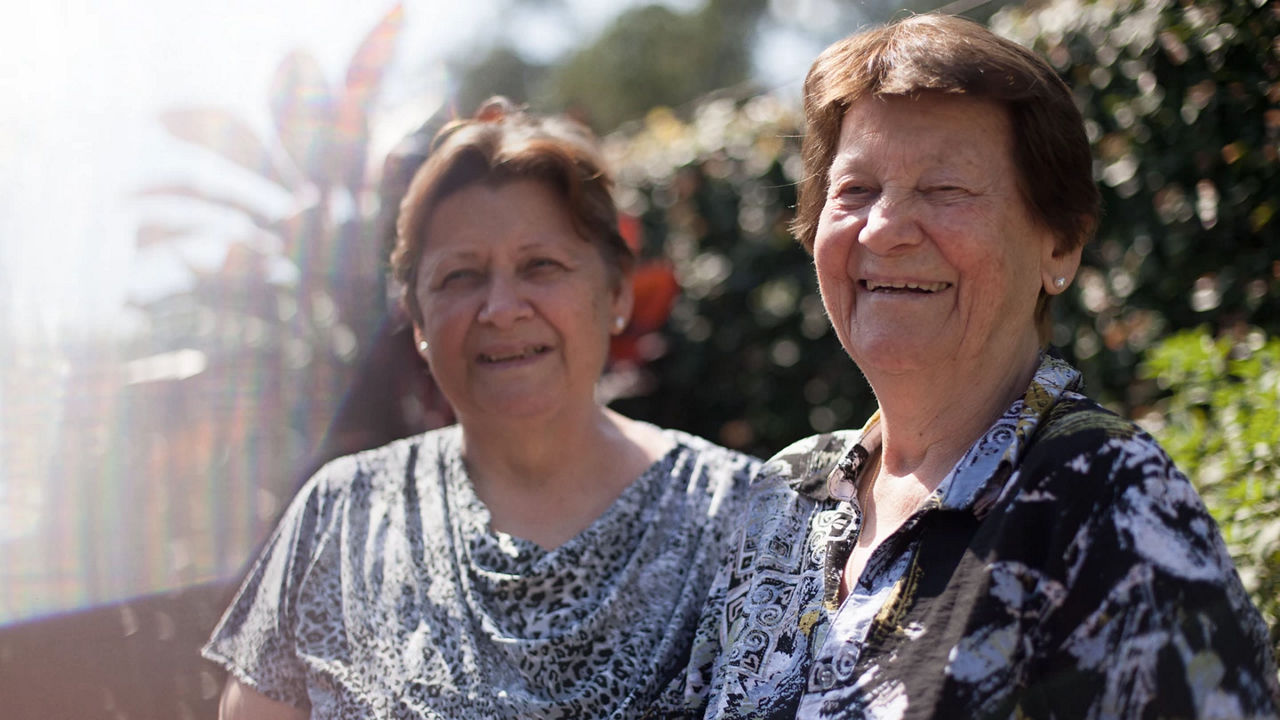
(991, 543)
(546, 557)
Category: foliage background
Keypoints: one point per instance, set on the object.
(285, 353)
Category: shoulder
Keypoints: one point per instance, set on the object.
(1092, 449)
(804, 465)
(1078, 418)
(786, 507)
(378, 473)
(1111, 510)
(1112, 477)
(1143, 592)
(704, 448)
(692, 451)
(703, 473)
(390, 460)
(1132, 530)
(1088, 447)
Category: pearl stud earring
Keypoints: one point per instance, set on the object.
(422, 346)
(619, 323)
(1059, 282)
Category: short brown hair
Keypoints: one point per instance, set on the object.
(943, 53)
(500, 144)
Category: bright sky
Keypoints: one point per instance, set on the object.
(82, 82)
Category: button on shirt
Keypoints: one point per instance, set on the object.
(832, 672)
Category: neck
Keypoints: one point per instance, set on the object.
(534, 451)
(546, 481)
(929, 419)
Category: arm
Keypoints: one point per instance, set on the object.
(254, 639)
(241, 702)
(1153, 604)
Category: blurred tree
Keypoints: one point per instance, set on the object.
(1182, 102)
(502, 71)
(648, 56)
(318, 160)
(653, 56)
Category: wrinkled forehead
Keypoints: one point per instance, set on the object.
(936, 126)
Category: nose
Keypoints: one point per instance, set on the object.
(504, 303)
(892, 223)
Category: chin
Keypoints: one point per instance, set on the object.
(521, 409)
(894, 355)
(888, 366)
(527, 405)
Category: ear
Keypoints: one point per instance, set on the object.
(623, 303)
(1057, 263)
(419, 344)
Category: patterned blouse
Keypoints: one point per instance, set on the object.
(1064, 568)
(384, 593)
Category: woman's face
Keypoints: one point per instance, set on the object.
(925, 251)
(517, 307)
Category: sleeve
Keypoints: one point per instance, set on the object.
(1155, 620)
(254, 640)
(686, 696)
(769, 506)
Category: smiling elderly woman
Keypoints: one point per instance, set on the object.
(544, 558)
(991, 543)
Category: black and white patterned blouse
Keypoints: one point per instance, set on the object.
(384, 593)
(1064, 568)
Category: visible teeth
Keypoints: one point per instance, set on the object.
(536, 350)
(919, 287)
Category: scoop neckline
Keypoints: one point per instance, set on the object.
(476, 526)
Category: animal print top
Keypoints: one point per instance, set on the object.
(384, 593)
(1064, 568)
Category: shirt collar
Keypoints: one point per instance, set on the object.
(842, 483)
(978, 480)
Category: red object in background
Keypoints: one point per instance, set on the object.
(629, 229)
(656, 290)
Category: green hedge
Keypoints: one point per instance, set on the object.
(1221, 424)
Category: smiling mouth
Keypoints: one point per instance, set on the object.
(529, 352)
(904, 287)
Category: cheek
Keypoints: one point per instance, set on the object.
(1003, 283)
(597, 298)
(443, 323)
(831, 264)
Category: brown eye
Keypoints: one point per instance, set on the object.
(544, 265)
(856, 195)
(461, 276)
(944, 193)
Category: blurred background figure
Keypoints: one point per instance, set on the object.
(392, 394)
